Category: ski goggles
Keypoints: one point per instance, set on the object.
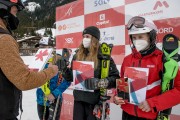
(137, 21)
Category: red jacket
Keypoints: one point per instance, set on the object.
(166, 100)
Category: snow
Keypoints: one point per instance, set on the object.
(41, 31)
(32, 6)
(29, 105)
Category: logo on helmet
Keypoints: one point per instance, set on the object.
(14, 1)
(170, 39)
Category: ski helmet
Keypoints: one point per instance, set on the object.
(138, 25)
(5, 8)
(7, 4)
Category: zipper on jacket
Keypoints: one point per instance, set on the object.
(135, 107)
(139, 64)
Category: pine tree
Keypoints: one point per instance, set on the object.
(43, 17)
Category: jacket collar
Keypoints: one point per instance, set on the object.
(153, 51)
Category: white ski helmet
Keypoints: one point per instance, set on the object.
(138, 25)
(45, 41)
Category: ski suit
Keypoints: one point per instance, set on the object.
(84, 102)
(56, 90)
(152, 60)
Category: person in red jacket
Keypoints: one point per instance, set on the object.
(145, 54)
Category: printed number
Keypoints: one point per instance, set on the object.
(100, 2)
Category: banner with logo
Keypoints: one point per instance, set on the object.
(111, 17)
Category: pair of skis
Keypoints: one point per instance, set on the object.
(170, 47)
(105, 64)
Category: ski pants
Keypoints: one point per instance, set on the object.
(126, 116)
(83, 111)
(9, 119)
(40, 110)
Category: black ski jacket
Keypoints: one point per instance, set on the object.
(11, 98)
(93, 97)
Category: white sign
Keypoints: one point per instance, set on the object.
(40, 59)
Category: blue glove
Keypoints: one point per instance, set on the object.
(95, 83)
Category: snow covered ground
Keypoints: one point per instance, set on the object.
(29, 105)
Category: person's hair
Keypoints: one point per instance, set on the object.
(93, 52)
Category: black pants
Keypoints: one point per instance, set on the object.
(40, 109)
(126, 116)
(9, 119)
(83, 111)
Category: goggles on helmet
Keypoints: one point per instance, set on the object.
(136, 21)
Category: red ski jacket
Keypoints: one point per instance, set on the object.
(156, 100)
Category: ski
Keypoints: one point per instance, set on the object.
(62, 63)
(105, 64)
(170, 47)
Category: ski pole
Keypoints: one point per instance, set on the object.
(55, 111)
(103, 110)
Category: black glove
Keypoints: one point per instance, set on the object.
(95, 83)
(68, 75)
(62, 64)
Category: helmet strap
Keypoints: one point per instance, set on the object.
(8, 26)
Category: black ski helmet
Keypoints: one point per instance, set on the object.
(5, 8)
(7, 4)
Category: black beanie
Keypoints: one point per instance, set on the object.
(92, 30)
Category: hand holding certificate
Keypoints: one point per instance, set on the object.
(82, 70)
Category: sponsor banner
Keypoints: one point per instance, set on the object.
(128, 50)
(132, 1)
(71, 25)
(118, 54)
(70, 10)
(113, 35)
(159, 45)
(118, 59)
(168, 26)
(67, 107)
(110, 16)
(92, 6)
(127, 38)
(106, 18)
(153, 9)
(118, 50)
(69, 40)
